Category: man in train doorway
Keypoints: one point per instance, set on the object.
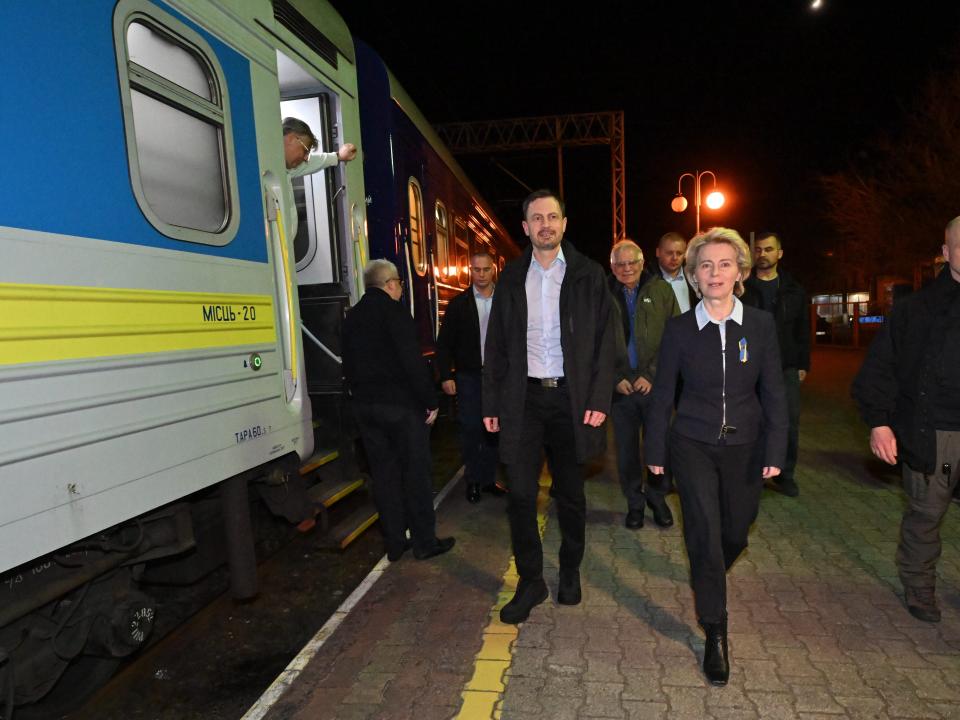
(395, 404)
(299, 143)
(460, 362)
(771, 289)
(547, 376)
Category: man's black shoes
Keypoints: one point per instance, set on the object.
(634, 519)
(397, 553)
(922, 603)
(661, 513)
(568, 590)
(439, 547)
(530, 593)
(787, 486)
(473, 493)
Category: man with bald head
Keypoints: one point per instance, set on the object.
(908, 391)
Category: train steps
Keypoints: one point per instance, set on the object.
(343, 505)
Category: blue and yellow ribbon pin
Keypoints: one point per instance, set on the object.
(743, 350)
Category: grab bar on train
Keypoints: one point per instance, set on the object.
(276, 216)
(319, 344)
(436, 296)
(406, 252)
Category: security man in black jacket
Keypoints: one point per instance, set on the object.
(460, 361)
(771, 289)
(908, 391)
(395, 404)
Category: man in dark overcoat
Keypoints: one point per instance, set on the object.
(547, 374)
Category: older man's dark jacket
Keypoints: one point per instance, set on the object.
(913, 358)
(382, 361)
(587, 340)
(458, 344)
(792, 315)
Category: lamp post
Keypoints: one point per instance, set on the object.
(714, 200)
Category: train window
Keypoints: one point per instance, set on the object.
(443, 239)
(462, 245)
(177, 125)
(417, 249)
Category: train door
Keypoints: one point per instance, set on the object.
(328, 268)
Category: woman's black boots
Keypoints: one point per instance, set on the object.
(716, 666)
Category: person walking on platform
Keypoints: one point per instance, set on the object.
(547, 374)
(460, 362)
(395, 404)
(727, 357)
(770, 288)
(645, 302)
(908, 392)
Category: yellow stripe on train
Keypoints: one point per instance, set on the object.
(41, 323)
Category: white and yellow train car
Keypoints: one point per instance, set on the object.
(150, 344)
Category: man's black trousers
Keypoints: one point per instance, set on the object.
(547, 425)
(397, 442)
(479, 448)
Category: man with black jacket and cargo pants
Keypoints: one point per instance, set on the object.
(547, 376)
(908, 391)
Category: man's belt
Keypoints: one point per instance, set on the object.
(552, 382)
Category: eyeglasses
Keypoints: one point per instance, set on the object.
(626, 264)
(306, 147)
(396, 280)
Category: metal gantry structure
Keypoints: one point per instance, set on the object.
(550, 132)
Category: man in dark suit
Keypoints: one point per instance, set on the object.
(395, 405)
(772, 289)
(547, 376)
(460, 361)
(671, 251)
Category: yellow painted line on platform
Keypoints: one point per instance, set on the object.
(483, 693)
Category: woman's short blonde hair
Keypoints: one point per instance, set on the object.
(718, 235)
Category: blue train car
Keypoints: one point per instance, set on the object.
(424, 214)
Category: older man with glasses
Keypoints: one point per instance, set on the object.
(299, 146)
(395, 404)
(645, 302)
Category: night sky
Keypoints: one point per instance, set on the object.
(768, 94)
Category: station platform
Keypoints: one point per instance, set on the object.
(817, 624)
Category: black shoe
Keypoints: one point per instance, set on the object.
(494, 490)
(439, 547)
(716, 665)
(568, 590)
(530, 593)
(787, 486)
(922, 603)
(661, 513)
(634, 519)
(473, 493)
(396, 554)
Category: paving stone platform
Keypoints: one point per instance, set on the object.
(817, 625)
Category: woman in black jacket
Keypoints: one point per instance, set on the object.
(732, 396)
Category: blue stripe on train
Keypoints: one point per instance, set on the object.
(63, 163)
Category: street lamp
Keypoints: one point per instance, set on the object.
(714, 200)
